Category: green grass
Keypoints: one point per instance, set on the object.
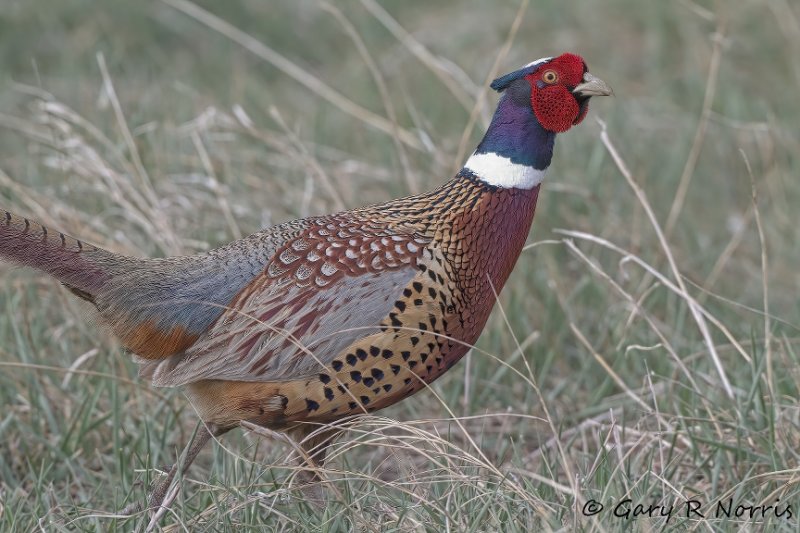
(595, 381)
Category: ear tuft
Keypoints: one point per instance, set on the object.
(502, 83)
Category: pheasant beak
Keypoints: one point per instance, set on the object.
(592, 86)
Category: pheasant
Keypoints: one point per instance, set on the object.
(313, 320)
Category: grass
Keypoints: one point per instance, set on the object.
(645, 348)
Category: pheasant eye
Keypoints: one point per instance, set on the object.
(550, 76)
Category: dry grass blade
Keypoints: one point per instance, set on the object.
(610, 371)
(108, 86)
(762, 240)
(222, 200)
(636, 305)
(373, 431)
(692, 304)
(727, 253)
(433, 63)
(445, 454)
(363, 50)
(70, 371)
(565, 463)
(750, 309)
(291, 69)
(702, 126)
(77, 147)
(664, 280)
(154, 211)
(789, 23)
(309, 161)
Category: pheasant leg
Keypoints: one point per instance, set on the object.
(157, 495)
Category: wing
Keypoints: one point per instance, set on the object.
(320, 292)
(159, 308)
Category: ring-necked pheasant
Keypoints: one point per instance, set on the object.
(316, 319)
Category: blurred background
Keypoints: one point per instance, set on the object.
(621, 365)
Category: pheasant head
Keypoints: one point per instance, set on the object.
(543, 98)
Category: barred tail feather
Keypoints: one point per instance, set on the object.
(156, 307)
(83, 268)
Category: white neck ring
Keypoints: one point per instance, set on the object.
(500, 171)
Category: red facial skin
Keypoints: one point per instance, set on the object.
(552, 100)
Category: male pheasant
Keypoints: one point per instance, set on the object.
(317, 319)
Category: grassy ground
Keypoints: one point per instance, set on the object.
(645, 349)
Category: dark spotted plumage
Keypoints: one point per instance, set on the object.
(321, 318)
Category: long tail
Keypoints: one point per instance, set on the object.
(128, 292)
(156, 307)
(83, 268)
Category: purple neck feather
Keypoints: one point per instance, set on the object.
(515, 132)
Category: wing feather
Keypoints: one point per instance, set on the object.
(320, 293)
